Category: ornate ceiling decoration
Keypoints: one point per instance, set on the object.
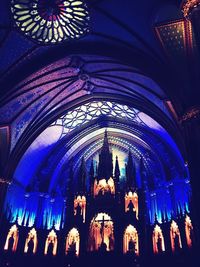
(52, 21)
(188, 6)
(92, 110)
(192, 114)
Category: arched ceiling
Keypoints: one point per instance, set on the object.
(68, 139)
(67, 84)
(129, 24)
(125, 30)
(119, 61)
(128, 74)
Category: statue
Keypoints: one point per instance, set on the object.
(111, 242)
(131, 246)
(50, 247)
(103, 247)
(72, 247)
(30, 246)
(159, 244)
(176, 242)
(78, 210)
(130, 206)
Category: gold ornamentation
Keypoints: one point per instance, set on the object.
(191, 114)
(188, 6)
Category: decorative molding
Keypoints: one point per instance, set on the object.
(188, 6)
(171, 36)
(192, 114)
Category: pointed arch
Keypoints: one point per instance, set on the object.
(52, 241)
(133, 198)
(103, 187)
(32, 237)
(189, 231)
(131, 240)
(73, 242)
(175, 237)
(80, 203)
(12, 239)
(158, 240)
(101, 233)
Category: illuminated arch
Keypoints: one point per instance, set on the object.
(81, 202)
(158, 240)
(51, 239)
(13, 235)
(189, 231)
(102, 187)
(131, 240)
(131, 196)
(175, 237)
(73, 242)
(101, 232)
(32, 236)
(95, 109)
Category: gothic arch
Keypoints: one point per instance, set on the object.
(80, 202)
(133, 197)
(32, 237)
(102, 187)
(51, 243)
(80, 84)
(175, 237)
(101, 233)
(131, 240)
(189, 231)
(158, 240)
(73, 242)
(12, 239)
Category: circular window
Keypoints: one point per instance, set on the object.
(52, 21)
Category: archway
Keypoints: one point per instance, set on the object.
(158, 240)
(189, 231)
(101, 233)
(131, 240)
(80, 207)
(78, 133)
(73, 242)
(133, 198)
(12, 239)
(175, 236)
(97, 93)
(31, 242)
(51, 244)
(104, 187)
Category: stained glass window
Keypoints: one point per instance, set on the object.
(51, 21)
(92, 110)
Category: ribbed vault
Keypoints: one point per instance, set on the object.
(48, 94)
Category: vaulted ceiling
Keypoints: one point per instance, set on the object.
(134, 55)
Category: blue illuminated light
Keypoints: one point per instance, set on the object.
(38, 197)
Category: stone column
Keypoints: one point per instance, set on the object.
(3, 190)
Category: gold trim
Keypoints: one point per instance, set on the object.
(188, 6)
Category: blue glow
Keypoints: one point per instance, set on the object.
(165, 196)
